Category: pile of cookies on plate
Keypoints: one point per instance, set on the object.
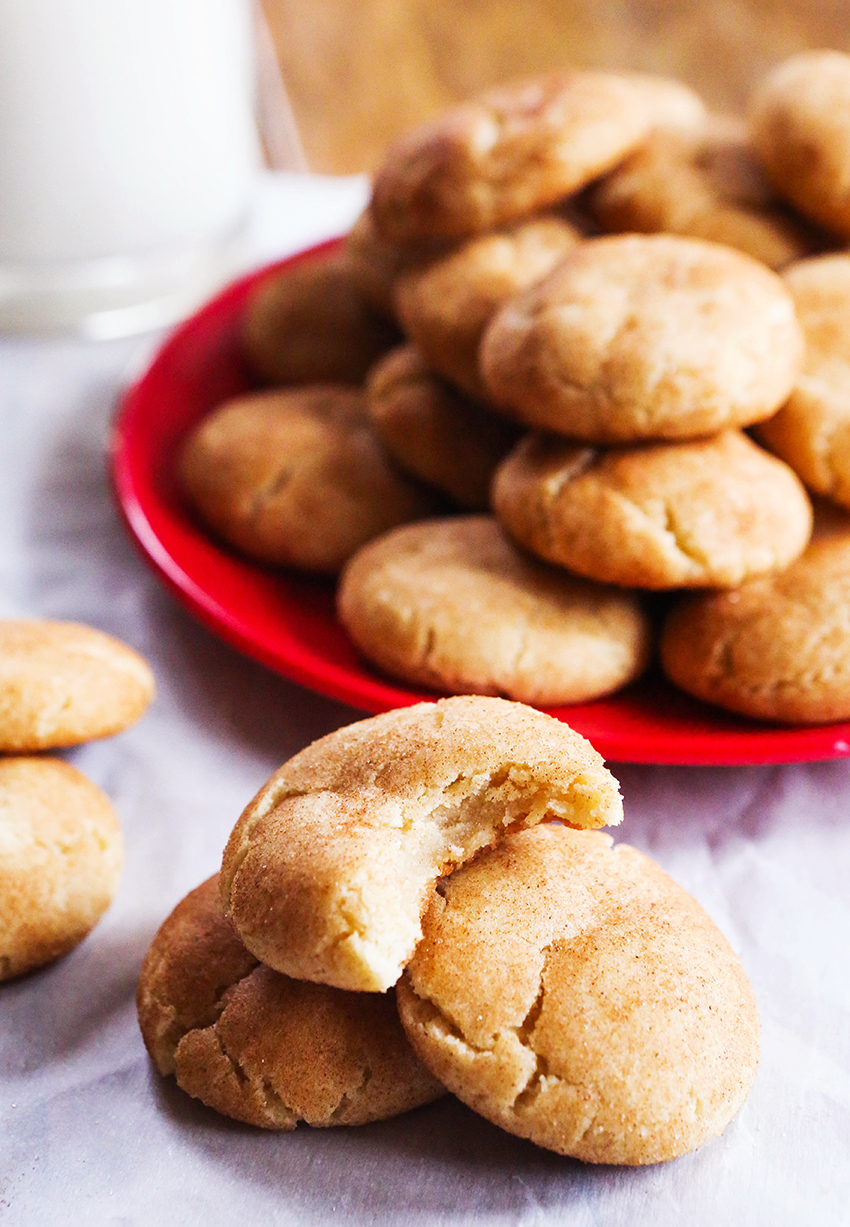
(587, 342)
(420, 902)
(61, 849)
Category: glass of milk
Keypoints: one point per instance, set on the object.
(129, 158)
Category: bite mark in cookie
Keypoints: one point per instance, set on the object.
(328, 869)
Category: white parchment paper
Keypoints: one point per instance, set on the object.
(89, 1134)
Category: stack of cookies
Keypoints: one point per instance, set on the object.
(589, 289)
(61, 849)
(419, 902)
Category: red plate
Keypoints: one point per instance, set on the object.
(288, 622)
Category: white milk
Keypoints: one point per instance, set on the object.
(128, 157)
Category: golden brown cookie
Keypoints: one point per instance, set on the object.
(706, 513)
(705, 183)
(327, 871)
(510, 152)
(573, 994)
(435, 432)
(451, 604)
(812, 429)
(376, 264)
(60, 860)
(62, 683)
(800, 123)
(297, 477)
(645, 336)
(260, 1047)
(309, 323)
(670, 104)
(445, 305)
(778, 647)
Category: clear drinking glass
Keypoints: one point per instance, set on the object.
(129, 158)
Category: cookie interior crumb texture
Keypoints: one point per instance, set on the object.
(327, 871)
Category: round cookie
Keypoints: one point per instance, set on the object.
(329, 868)
(705, 183)
(445, 305)
(376, 264)
(670, 105)
(62, 683)
(61, 853)
(309, 323)
(435, 432)
(572, 993)
(800, 123)
(260, 1047)
(705, 513)
(645, 336)
(297, 477)
(778, 647)
(812, 429)
(506, 154)
(454, 606)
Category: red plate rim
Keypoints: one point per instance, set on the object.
(287, 621)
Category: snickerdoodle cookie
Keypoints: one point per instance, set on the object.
(308, 322)
(812, 429)
(670, 104)
(328, 870)
(704, 182)
(778, 647)
(297, 477)
(800, 123)
(260, 1047)
(445, 305)
(704, 513)
(573, 994)
(62, 683)
(61, 853)
(434, 431)
(645, 336)
(453, 605)
(509, 152)
(376, 263)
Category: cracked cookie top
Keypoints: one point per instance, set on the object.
(705, 513)
(778, 647)
(260, 1047)
(573, 994)
(645, 336)
(62, 683)
(327, 871)
(510, 152)
(453, 605)
(297, 477)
